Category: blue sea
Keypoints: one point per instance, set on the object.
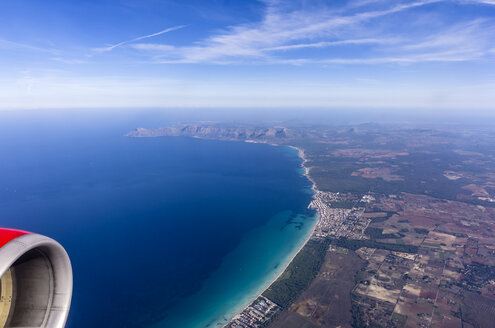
(162, 232)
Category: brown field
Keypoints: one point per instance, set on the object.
(476, 191)
(327, 302)
(384, 173)
(368, 153)
(376, 291)
(374, 215)
(479, 310)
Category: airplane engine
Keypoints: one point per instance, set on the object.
(36, 280)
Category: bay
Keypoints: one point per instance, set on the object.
(162, 232)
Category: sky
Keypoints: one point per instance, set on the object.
(427, 54)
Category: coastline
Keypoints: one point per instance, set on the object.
(302, 156)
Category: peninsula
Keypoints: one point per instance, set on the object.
(261, 134)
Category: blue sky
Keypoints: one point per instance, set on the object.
(198, 53)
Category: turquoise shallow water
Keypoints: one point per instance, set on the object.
(260, 257)
(162, 232)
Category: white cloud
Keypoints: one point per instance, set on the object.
(283, 28)
(276, 30)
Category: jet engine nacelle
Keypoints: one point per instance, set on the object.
(36, 280)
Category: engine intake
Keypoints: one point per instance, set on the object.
(36, 280)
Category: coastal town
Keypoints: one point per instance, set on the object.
(256, 314)
(332, 222)
(339, 222)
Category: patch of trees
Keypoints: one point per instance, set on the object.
(299, 274)
(377, 233)
(476, 275)
(355, 244)
(421, 231)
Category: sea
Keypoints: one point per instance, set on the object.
(162, 232)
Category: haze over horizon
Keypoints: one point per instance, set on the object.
(428, 54)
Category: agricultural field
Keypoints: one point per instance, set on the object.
(410, 217)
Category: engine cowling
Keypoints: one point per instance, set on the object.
(36, 280)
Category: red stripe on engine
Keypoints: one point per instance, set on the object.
(7, 235)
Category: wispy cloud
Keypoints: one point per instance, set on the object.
(6, 44)
(153, 47)
(68, 61)
(278, 28)
(447, 56)
(471, 35)
(485, 2)
(167, 30)
(284, 29)
(323, 44)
